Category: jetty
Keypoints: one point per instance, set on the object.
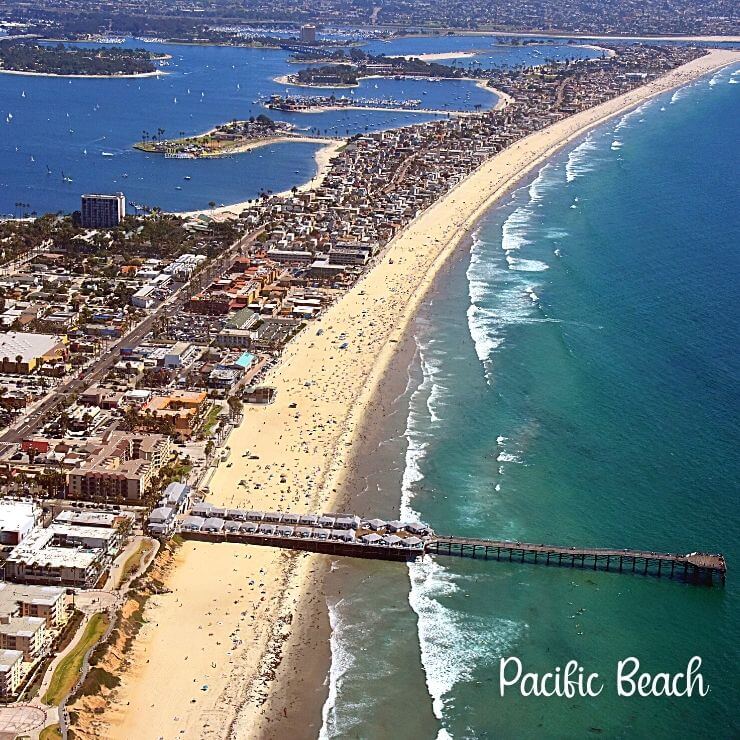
(353, 536)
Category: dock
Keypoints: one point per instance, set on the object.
(352, 536)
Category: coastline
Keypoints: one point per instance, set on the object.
(247, 146)
(322, 157)
(320, 441)
(155, 73)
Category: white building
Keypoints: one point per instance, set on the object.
(17, 519)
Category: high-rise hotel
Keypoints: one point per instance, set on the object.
(103, 211)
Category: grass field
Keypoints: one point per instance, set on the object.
(51, 732)
(68, 670)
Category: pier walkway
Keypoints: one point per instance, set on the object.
(695, 567)
(349, 535)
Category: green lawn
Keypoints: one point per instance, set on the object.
(68, 670)
(210, 421)
(133, 561)
(51, 732)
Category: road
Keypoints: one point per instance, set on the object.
(99, 368)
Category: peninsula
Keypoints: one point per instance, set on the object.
(225, 139)
(25, 57)
(391, 210)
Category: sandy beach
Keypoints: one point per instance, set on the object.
(305, 458)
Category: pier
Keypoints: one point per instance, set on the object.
(695, 567)
(352, 536)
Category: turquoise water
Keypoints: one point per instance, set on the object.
(575, 382)
(53, 126)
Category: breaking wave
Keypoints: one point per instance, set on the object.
(580, 160)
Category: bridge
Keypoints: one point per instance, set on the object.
(349, 535)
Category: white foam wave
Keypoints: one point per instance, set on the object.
(627, 117)
(580, 160)
(483, 326)
(508, 457)
(515, 228)
(716, 79)
(341, 661)
(555, 233)
(452, 643)
(431, 383)
(525, 265)
(680, 93)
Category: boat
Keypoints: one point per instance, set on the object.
(66, 178)
(187, 177)
(178, 187)
(107, 154)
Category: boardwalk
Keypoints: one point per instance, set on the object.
(348, 535)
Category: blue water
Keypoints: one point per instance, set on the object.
(575, 382)
(66, 124)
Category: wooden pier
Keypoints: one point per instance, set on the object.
(353, 536)
(694, 567)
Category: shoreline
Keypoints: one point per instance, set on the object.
(706, 39)
(322, 158)
(155, 73)
(502, 100)
(247, 146)
(316, 446)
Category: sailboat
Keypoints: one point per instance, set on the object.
(48, 170)
(23, 94)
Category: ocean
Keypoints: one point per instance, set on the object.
(573, 380)
(53, 128)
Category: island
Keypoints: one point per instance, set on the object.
(25, 57)
(225, 139)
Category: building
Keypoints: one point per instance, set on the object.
(182, 408)
(103, 211)
(47, 602)
(176, 496)
(17, 519)
(26, 634)
(308, 34)
(63, 555)
(11, 662)
(21, 353)
(121, 467)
